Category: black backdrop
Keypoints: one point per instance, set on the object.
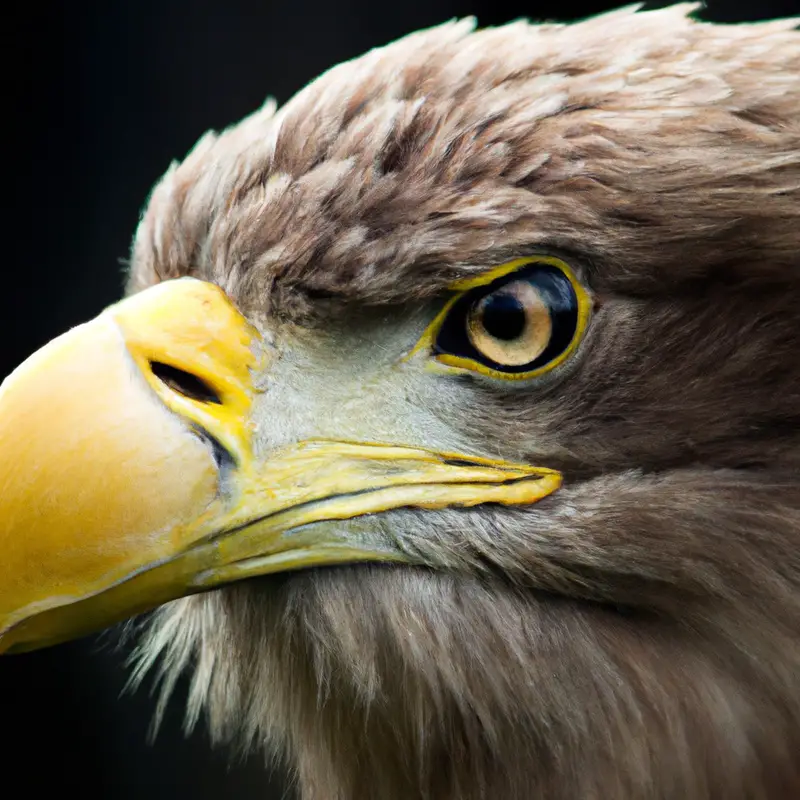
(99, 98)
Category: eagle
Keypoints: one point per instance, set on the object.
(450, 425)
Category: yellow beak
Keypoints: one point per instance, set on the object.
(129, 477)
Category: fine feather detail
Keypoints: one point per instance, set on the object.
(451, 149)
(636, 634)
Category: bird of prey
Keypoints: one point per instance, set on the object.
(453, 421)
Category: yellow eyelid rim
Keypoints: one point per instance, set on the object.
(453, 363)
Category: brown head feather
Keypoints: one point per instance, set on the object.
(397, 172)
(637, 635)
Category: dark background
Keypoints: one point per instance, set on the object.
(99, 98)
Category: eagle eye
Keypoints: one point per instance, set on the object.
(517, 321)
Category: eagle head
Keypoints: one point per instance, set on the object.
(453, 421)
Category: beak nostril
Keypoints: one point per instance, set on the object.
(185, 383)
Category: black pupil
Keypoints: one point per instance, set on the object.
(503, 316)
